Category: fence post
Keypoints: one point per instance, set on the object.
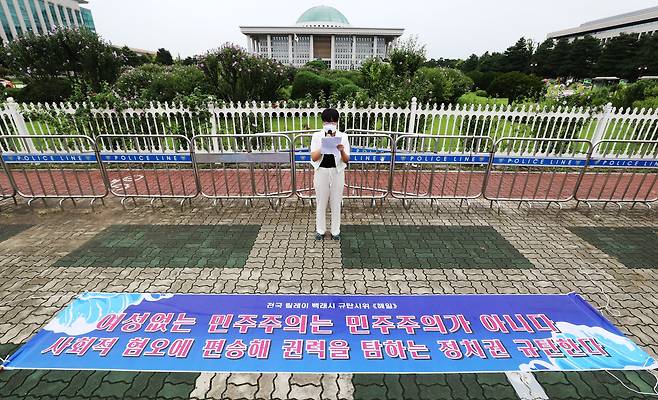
(602, 125)
(213, 126)
(19, 123)
(412, 115)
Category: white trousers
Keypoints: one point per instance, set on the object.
(328, 190)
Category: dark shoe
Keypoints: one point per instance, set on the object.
(319, 236)
(336, 237)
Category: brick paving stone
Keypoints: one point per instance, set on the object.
(285, 258)
(166, 246)
(99, 385)
(407, 246)
(634, 247)
(432, 386)
(596, 385)
(7, 231)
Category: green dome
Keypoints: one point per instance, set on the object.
(323, 16)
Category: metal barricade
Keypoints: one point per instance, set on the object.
(149, 167)
(436, 167)
(536, 170)
(368, 173)
(7, 190)
(621, 171)
(53, 167)
(245, 166)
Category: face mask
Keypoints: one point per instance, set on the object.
(330, 127)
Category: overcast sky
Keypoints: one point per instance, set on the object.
(451, 29)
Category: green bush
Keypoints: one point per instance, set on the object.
(43, 91)
(347, 92)
(378, 76)
(627, 95)
(309, 83)
(440, 85)
(482, 80)
(474, 98)
(236, 75)
(317, 65)
(516, 86)
(650, 102)
(154, 82)
(481, 93)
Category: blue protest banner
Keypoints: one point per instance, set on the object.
(329, 334)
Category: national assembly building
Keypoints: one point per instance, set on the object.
(321, 33)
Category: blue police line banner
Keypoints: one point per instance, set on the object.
(329, 334)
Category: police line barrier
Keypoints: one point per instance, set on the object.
(621, 171)
(536, 170)
(157, 167)
(246, 166)
(53, 167)
(432, 167)
(367, 176)
(275, 166)
(7, 190)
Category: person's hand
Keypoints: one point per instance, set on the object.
(340, 148)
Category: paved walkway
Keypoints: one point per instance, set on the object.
(47, 257)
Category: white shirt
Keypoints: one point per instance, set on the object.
(316, 144)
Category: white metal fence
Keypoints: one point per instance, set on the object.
(495, 122)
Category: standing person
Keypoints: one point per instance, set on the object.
(329, 176)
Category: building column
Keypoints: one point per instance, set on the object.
(353, 52)
(249, 45)
(3, 35)
(44, 24)
(333, 52)
(374, 46)
(52, 19)
(311, 55)
(21, 17)
(269, 46)
(30, 16)
(290, 50)
(12, 27)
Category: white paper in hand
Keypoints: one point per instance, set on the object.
(329, 145)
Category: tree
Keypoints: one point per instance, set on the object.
(317, 65)
(445, 84)
(516, 85)
(619, 57)
(236, 75)
(407, 57)
(378, 76)
(472, 63)
(542, 59)
(163, 57)
(518, 57)
(494, 62)
(443, 63)
(155, 82)
(78, 55)
(559, 58)
(647, 54)
(583, 57)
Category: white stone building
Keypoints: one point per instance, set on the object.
(637, 22)
(321, 33)
(19, 17)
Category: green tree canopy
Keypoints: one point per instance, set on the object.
(163, 57)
